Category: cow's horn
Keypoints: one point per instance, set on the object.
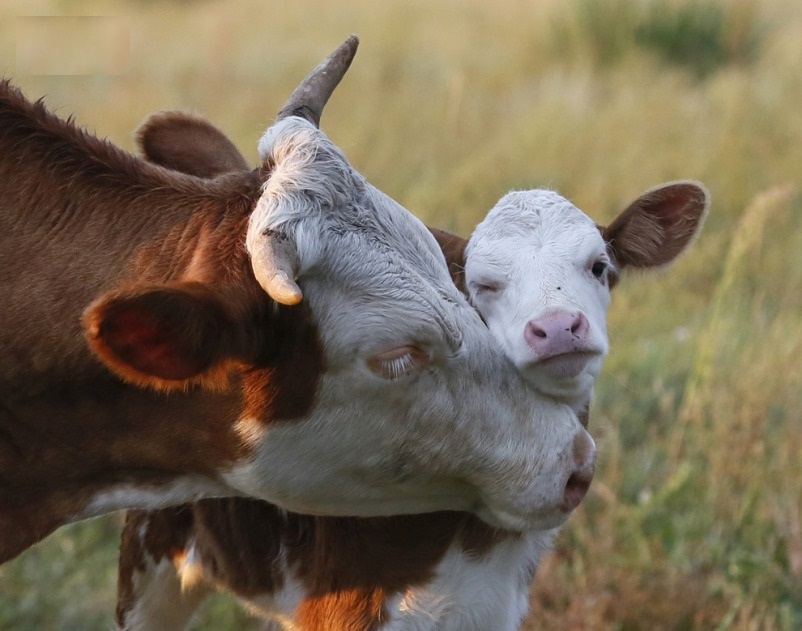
(275, 263)
(273, 255)
(310, 97)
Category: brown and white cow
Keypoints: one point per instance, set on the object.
(540, 272)
(288, 333)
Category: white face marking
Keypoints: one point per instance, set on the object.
(536, 269)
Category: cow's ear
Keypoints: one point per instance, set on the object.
(170, 336)
(658, 226)
(188, 143)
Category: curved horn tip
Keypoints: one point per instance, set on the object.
(283, 290)
(311, 96)
(343, 54)
(352, 42)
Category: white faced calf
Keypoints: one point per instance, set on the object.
(540, 271)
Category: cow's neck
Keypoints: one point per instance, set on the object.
(78, 217)
(106, 236)
(71, 433)
(86, 449)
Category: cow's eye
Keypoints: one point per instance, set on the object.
(398, 362)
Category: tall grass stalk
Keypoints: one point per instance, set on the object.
(721, 326)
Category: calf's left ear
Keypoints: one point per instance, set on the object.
(655, 228)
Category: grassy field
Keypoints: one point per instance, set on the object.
(694, 520)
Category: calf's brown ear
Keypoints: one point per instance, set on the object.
(658, 226)
(169, 336)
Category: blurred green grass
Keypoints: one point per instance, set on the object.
(694, 520)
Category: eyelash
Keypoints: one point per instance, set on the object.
(398, 367)
(398, 362)
(486, 288)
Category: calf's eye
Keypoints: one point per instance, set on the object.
(486, 287)
(598, 269)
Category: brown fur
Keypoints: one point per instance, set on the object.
(657, 226)
(348, 567)
(453, 247)
(78, 218)
(167, 145)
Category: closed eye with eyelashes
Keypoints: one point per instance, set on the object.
(398, 362)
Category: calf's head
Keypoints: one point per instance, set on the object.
(370, 385)
(540, 272)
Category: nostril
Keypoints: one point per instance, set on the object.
(533, 330)
(580, 325)
(575, 489)
(557, 332)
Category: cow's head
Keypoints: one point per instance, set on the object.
(540, 272)
(370, 386)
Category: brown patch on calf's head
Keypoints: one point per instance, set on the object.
(453, 247)
(654, 229)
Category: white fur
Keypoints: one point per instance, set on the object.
(281, 605)
(532, 242)
(162, 604)
(537, 248)
(471, 593)
(187, 488)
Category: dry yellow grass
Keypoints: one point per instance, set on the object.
(693, 521)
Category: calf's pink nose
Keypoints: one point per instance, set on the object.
(556, 332)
